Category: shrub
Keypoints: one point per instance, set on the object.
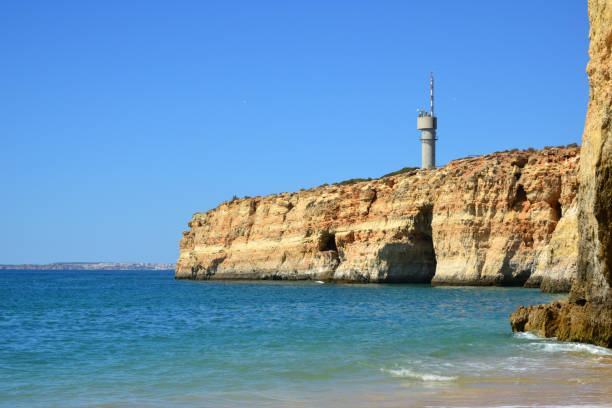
(352, 181)
(400, 171)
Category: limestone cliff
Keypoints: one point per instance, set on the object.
(502, 219)
(587, 316)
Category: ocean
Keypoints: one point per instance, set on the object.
(142, 339)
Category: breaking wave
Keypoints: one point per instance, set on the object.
(406, 373)
(527, 336)
(545, 344)
(576, 348)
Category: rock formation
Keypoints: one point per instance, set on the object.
(502, 219)
(587, 316)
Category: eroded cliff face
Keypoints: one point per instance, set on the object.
(587, 317)
(502, 219)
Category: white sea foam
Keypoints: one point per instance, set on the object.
(576, 348)
(527, 336)
(406, 373)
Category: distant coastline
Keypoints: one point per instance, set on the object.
(93, 266)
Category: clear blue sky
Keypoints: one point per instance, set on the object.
(120, 119)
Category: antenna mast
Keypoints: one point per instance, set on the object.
(431, 93)
(427, 124)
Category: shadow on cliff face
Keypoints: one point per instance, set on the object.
(519, 199)
(512, 274)
(199, 272)
(413, 260)
(327, 241)
(603, 214)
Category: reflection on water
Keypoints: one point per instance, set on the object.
(117, 339)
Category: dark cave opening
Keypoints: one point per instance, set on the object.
(519, 198)
(424, 241)
(328, 242)
(557, 210)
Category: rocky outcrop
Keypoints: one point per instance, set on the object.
(587, 316)
(502, 219)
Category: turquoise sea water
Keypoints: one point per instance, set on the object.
(140, 339)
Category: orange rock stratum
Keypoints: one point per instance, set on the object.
(502, 219)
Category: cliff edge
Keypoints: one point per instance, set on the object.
(587, 315)
(507, 218)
